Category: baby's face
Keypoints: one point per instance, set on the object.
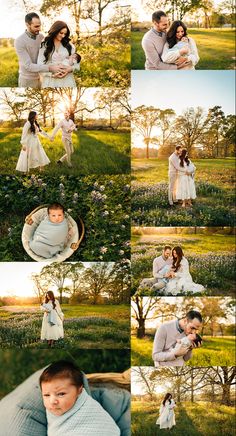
(59, 395)
(56, 215)
(192, 337)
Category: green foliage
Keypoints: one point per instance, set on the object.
(215, 47)
(217, 351)
(88, 327)
(192, 419)
(96, 152)
(16, 367)
(102, 203)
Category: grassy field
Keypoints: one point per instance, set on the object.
(100, 66)
(192, 419)
(214, 205)
(213, 352)
(96, 152)
(84, 326)
(210, 256)
(215, 48)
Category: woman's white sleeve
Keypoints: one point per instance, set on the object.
(168, 56)
(183, 270)
(46, 307)
(41, 60)
(44, 134)
(193, 56)
(25, 133)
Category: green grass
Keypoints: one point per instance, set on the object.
(96, 152)
(9, 67)
(215, 46)
(84, 326)
(213, 352)
(192, 419)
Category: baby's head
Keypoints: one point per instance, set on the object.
(76, 57)
(195, 338)
(61, 383)
(56, 213)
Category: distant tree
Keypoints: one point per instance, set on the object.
(143, 377)
(190, 127)
(119, 289)
(56, 274)
(166, 116)
(215, 124)
(224, 377)
(40, 285)
(94, 10)
(176, 8)
(75, 275)
(13, 103)
(144, 119)
(115, 101)
(142, 312)
(97, 280)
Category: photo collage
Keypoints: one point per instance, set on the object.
(117, 217)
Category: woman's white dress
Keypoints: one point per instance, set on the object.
(183, 282)
(34, 156)
(184, 187)
(59, 56)
(167, 415)
(52, 332)
(170, 56)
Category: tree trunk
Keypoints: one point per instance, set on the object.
(141, 328)
(226, 394)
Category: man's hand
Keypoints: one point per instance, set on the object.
(24, 148)
(181, 60)
(182, 351)
(196, 345)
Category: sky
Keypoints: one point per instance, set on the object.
(180, 89)
(139, 11)
(19, 283)
(13, 13)
(138, 388)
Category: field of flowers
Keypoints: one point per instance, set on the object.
(211, 260)
(102, 202)
(22, 329)
(214, 205)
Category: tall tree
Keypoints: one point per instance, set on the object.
(144, 119)
(56, 274)
(215, 122)
(166, 117)
(94, 10)
(190, 127)
(40, 286)
(13, 103)
(97, 280)
(142, 308)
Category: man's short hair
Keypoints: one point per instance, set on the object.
(167, 247)
(29, 17)
(178, 147)
(156, 16)
(194, 314)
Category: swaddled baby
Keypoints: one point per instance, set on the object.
(50, 236)
(70, 410)
(188, 341)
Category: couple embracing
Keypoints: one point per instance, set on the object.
(181, 178)
(46, 62)
(170, 49)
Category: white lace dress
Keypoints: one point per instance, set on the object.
(184, 188)
(167, 415)
(52, 332)
(34, 156)
(183, 282)
(59, 56)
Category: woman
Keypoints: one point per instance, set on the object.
(167, 414)
(32, 154)
(52, 325)
(57, 49)
(184, 187)
(180, 277)
(178, 45)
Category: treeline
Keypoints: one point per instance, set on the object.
(204, 135)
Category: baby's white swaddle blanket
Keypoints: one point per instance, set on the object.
(86, 418)
(49, 238)
(52, 315)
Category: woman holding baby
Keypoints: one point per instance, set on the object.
(167, 414)
(56, 49)
(52, 325)
(178, 45)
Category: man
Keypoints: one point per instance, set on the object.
(27, 48)
(166, 338)
(160, 277)
(153, 43)
(67, 126)
(174, 167)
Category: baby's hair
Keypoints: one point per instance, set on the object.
(62, 369)
(56, 206)
(198, 339)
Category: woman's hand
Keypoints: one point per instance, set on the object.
(24, 147)
(184, 50)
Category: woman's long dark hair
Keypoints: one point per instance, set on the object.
(48, 42)
(177, 260)
(184, 157)
(171, 34)
(33, 121)
(50, 296)
(167, 397)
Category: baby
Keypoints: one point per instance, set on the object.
(69, 409)
(182, 46)
(50, 236)
(187, 342)
(165, 270)
(68, 61)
